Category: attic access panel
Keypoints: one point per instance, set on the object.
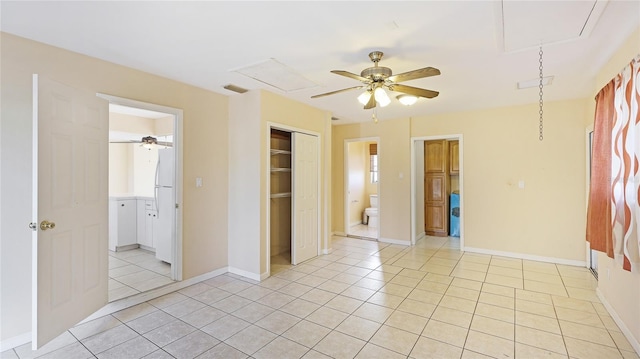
(527, 24)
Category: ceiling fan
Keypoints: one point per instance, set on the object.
(375, 79)
(147, 142)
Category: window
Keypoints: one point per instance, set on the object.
(373, 162)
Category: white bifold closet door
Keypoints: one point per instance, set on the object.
(305, 192)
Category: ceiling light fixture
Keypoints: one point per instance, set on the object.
(148, 142)
(364, 97)
(407, 100)
(381, 97)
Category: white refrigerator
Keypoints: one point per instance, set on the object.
(163, 227)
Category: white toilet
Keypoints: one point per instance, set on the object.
(372, 212)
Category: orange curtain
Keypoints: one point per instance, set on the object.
(599, 208)
(614, 197)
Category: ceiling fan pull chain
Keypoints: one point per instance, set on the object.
(540, 127)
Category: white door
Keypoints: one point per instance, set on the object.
(70, 193)
(304, 244)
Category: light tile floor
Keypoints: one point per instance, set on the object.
(366, 300)
(364, 231)
(135, 271)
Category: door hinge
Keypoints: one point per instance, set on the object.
(177, 206)
(33, 226)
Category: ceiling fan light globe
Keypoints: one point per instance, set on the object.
(381, 97)
(407, 100)
(364, 97)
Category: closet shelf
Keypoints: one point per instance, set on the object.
(280, 152)
(280, 169)
(281, 195)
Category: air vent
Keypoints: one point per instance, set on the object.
(235, 88)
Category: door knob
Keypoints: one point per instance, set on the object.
(44, 225)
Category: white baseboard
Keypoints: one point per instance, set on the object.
(245, 273)
(419, 236)
(14, 342)
(355, 223)
(530, 257)
(340, 234)
(616, 318)
(394, 241)
(326, 251)
(265, 275)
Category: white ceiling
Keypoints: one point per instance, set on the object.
(482, 48)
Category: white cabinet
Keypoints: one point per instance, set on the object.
(122, 223)
(147, 214)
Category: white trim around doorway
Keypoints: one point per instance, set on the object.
(176, 261)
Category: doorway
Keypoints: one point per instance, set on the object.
(437, 187)
(362, 170)
(144, 197)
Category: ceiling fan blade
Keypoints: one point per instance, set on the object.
(371, 103)
(351, 75)
(337, 91)
(415, 74)
(413, 91)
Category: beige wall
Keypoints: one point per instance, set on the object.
(501, 147)
(205, 155)
(394, 162)
(357, 176)
(120, 167)
(619, 288)
(133, 124)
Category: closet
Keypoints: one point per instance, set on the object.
(441, 179)
(294, 220)
(280, 197)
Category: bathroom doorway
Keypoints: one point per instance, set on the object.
(362, 218)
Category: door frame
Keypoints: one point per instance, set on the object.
(176, 260)
(345, 191)
(592, 262)
(414, 177)
(267, 192)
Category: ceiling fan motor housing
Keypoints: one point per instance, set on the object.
(378, 73)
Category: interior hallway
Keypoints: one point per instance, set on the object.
(367, 300)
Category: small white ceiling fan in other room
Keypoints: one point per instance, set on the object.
(147, 142)
(377, 78)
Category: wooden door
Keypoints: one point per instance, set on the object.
(305, 198)
(454, 160)
(70, 209)
(436, 188)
